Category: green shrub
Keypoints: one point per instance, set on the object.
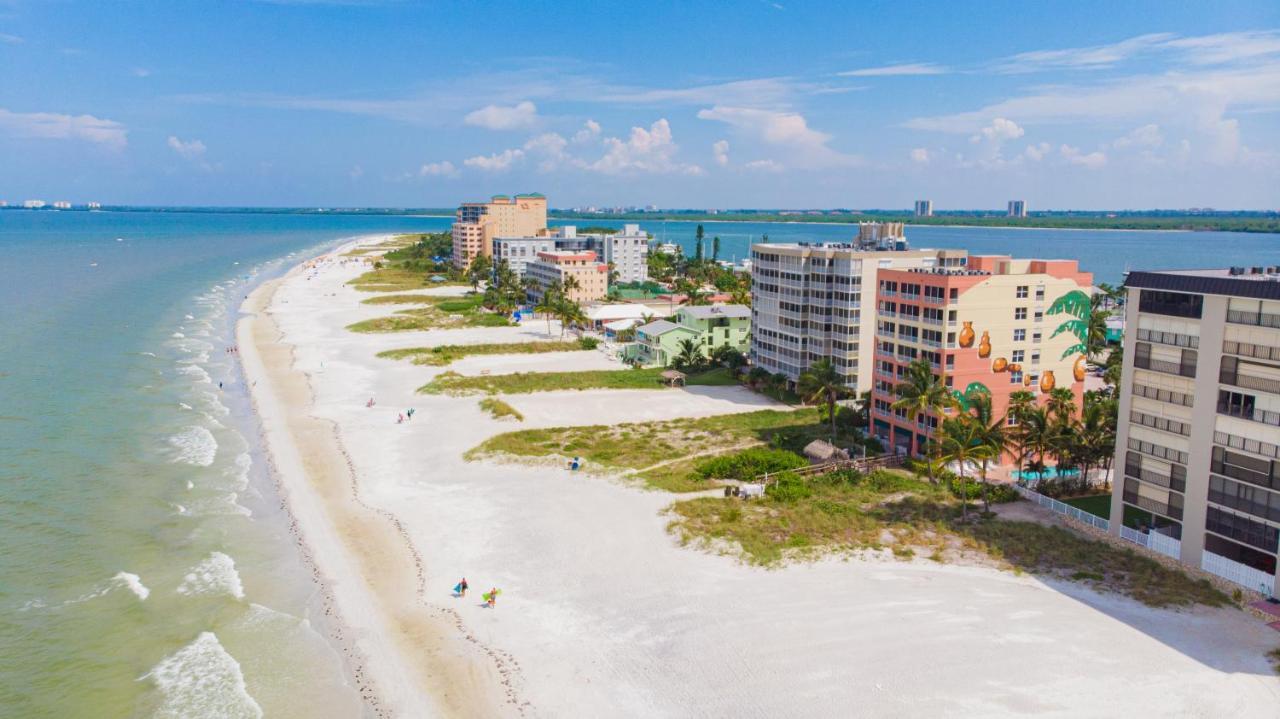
(996, 493)
(588, 343)
(749, 464)
(789, 488)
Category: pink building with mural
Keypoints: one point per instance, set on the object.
(997, 325)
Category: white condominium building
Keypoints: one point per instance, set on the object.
(628, 252)
(1198, 440)
(807, 303)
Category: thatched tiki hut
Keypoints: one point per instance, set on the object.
(821, 452)
(673, 378)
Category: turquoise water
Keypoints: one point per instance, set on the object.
(1048, 473)
(1107, 254)
(147, 567)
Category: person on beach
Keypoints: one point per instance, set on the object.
(399, 419)
(410, 413)
(492, 598)
(460, 588)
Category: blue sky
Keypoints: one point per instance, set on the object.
(729, 104)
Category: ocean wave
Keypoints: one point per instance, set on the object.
(215, 575)
(121, 580)
(202, 680)
(220, 505)
(184, 405)
(195, 371)
(177, 335)
(195, 445)
(134, 584)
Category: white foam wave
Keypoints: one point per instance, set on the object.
(220, 505)
(195, 371)
(195, 445)
(149, 354)
(125, 580)
(189, 317)
(134, 584)
(215, 575)
(184, 405)
(202, 680)
(177, 335)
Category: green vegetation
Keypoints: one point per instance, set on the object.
(400, 300)
(438, 312)
(409, 264)
(500, 409)
(1098, 505)
(749, 464)
(448, 354)
(451, 383)
(1078, 220)
(664, 454)
(846, 511)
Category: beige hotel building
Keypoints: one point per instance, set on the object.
(476, 224)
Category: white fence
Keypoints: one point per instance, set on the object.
(1063, 508)
(1241, 574)
(1155, 541)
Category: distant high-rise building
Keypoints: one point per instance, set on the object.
(62, 205)
(476, 224)
(33, 204)
(924, 208)
(1017, 208)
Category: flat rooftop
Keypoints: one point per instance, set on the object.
(1256, 281)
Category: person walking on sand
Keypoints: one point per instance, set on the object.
(460, 588)
(410, 413)
(492, 598)
(399, 419)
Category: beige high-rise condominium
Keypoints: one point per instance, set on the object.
(1198, 444)
(476, 224)
(556, 266)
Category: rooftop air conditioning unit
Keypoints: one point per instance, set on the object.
(1236, 271)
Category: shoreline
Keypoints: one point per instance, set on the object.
(360, 556)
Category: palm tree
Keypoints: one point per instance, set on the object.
(548, 303)
(715, 248)
(960, 441)
(991, 432)
(1061, 404)
(777, 383)
(1036, 433)
(690, 355)
(758, 376)
(569, 312)
(921, 393)
(822, 383)
(570, 284)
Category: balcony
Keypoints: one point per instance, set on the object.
(1162, 395)
(1164, 424)
(1244, 349)
(1157, 451)
(1253, 415)
(934, 300)
(1175, 368)
(1152, 505)
(1257, 319)
(1163, 480)
(1261, 384)
(1172, 339)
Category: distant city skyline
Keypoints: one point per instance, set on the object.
(392, 103)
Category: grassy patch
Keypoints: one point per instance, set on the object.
(447, 354)
(500, 409)
(526, 382)
(719, 377)
(435, 313)
(401, 300)
(845, 511)
(392, 279)
(1098, 505)
(664, 454)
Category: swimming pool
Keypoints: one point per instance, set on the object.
(1048, 473)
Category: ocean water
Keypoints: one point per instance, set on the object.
(1107, 254)
(147, 567)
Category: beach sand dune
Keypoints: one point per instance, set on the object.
(603, 614)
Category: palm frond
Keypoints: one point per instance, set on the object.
(1075, 302)
(1079, 328)
(1075, 349)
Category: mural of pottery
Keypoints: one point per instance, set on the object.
(966, 335)
(984, 347)
(1047, 382)
(1077, 370)
(999, 365)
(1015, 367)
(1026, 381)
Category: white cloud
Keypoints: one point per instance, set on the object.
(356, 172)
(757, 92)
(551, 147)
(920, 155)
(1228, 47)
(999, 130)
(498, 117)
(1148, 135)
(190, 150)
(764, 166)
(652, 150)
(56, 126)
(8, 39)
(438, 169)
(912, 68)
(1038, 151)
(498, 162)
(590, 131)
(1074, 156)
(1081, 58)
(720, 150)
(790, 130)
(140, 72)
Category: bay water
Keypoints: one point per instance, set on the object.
(147, 565)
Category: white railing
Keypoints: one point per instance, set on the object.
(1154, 541)
(1063, 508)
(1241, 574)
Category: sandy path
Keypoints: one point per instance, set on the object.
(603, 615)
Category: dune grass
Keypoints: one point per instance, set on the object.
(405, 299)
(845, 511)
(454, 384)
(435, 313)
(447, 354)
(500, 409)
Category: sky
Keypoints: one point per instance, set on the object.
(870, 104)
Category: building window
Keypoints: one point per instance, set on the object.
(1016, 356)
(1039, 316)
(1015, 378)
(1019, 335)
(1175, 304)
(1022, 292)
(1035, 337)
(1040, 293)
(1019, 313)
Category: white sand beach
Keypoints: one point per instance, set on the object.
(603, 614)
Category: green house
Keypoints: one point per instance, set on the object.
(658, 343)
